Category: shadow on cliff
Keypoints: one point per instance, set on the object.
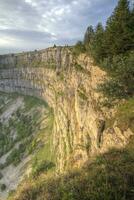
(109, 177)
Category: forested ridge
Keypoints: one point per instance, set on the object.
(112, 47)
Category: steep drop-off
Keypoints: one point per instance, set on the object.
(68, 84)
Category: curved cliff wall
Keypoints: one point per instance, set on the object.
(52, 57)
(69, 85)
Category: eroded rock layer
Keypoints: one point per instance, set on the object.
(69, 85)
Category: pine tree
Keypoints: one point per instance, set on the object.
(117, 29)
(98, 44)
(88, 36)
(113, 49)
(79, 48)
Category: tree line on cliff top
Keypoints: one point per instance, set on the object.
(112, 48)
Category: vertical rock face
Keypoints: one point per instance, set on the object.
(69, 86)
(51, 57)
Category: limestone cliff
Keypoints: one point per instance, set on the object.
(68, 84)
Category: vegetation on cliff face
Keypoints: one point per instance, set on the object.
(24, 141)
(23, 122)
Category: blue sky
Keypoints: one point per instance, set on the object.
(37, 24)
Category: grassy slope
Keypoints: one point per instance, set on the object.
(109, 177)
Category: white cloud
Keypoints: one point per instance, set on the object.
(60, 11)
(32, 3)
(7, 41)
(43, 22)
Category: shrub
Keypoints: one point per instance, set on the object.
(1, 175)
(42, 166)
(3, 187)
(125, 115)
(79, 48)
(121, 72)
(14, 157)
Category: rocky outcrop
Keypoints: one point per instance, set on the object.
(51, 57)
(69, 85)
